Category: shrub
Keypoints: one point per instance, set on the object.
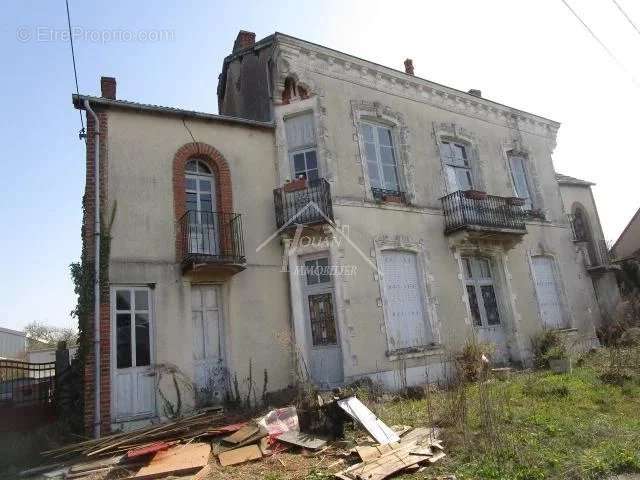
(547, 346)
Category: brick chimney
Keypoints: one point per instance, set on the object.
(408, 66)
(475, 93)
(108, 87)
(244, 40)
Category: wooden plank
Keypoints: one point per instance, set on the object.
(147, 450)
(179, 460)
(240, 455)
(305, 440)
(372, 424)
(242, 434)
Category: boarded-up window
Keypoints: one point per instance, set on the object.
(403, 300)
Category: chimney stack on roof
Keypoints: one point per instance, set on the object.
(475, 92)
(108, 87)
(408, 66)
(244, 40)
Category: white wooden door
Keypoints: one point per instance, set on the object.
(547, 292)
(208, 344)
(322, 332)
(402, 299)
(132, 353)
(483, 303)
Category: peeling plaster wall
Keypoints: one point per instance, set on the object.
(256, 313)
(343, 89)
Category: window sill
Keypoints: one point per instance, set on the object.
(414, 352)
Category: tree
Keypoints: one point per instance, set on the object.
(40, 335)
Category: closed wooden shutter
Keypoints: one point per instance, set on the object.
(406, 326)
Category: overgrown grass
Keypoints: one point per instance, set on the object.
(535, 425)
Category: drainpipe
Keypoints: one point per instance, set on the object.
(96, 282)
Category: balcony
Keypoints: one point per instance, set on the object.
(483, 216)
(303, 202)
(211, 241)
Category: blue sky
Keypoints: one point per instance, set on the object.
(530, 54)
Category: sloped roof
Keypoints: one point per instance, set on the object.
(567, 180)
(78, 102)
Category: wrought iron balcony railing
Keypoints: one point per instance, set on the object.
(305, 203)
(211, 237)
(478, 210)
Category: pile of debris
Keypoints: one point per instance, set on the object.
(192, 444)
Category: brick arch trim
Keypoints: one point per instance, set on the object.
(221, 173)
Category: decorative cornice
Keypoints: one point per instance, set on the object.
(303, 57)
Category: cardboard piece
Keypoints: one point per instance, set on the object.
(178, 460)
(372, 424)
(249, 430)
(240, 455)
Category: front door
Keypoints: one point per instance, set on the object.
(483, 303)
(131, 341)
(326, 354)
(208, 347)
(547, 292)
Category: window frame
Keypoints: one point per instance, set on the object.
(304, 151)
(304, 148)
(524, 160)
(467, 166)
(379, 164)
(132, 311)
(471, 264)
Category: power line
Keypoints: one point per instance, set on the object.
(73, 58)
(602, 44)
(626, 16)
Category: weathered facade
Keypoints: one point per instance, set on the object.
(409, 217)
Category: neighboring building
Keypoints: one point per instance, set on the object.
(203, 281)
(12, 344)
(628, 243)
(47, 354)
(580, 207)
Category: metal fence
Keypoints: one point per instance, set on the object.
(212, 236)
(489, 211)
(305, 206)
(26, 384)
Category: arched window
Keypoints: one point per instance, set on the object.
(201, 207)
(582, 232)
(200, 187)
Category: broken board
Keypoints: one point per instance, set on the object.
(372, 424)
(178, 460)
(304, 440)
(239, 455)
(242, 434)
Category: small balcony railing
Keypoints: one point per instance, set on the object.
(304, 203)
(211, 237)
(479, 211)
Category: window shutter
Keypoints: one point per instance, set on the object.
(520, 179)
(300, 132)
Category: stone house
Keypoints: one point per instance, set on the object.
(337, 219)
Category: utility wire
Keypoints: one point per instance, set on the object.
(73, 58)
(602, 44)
(636, 28)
